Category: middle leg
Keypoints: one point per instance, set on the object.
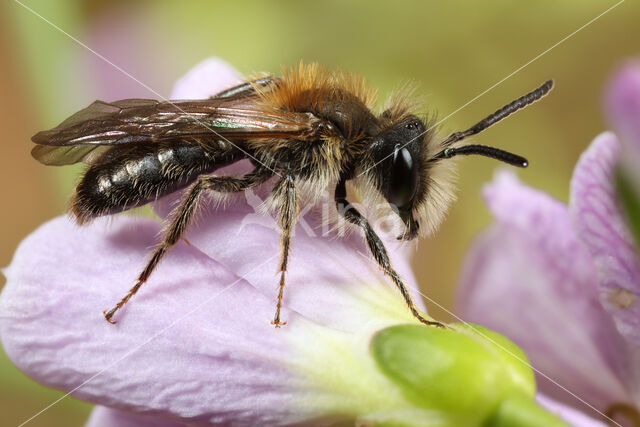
(285, 194)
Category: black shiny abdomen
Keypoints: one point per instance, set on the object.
(125, 178)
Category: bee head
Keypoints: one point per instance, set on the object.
(410, 167)
(397, 154)
(412, 170)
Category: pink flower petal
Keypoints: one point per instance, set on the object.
(106, 417)
(523, 207)
(195, 343)
(206, 79)
(622, 104)
(601, 227)
(570, 415)
(529, 278)
(131, 48)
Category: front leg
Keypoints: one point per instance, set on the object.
(377, 248)
(285, 195)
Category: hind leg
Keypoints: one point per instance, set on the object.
(181, 218)
(285, 193)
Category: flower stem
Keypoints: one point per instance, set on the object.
(522, 411)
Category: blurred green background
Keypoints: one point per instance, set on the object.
(454, 50)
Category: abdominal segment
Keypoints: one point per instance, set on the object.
(127, 177)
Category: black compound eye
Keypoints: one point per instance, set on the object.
(404, 177)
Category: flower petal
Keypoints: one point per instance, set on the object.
(568, 414)
(529, 278)
(194, 343)
(206, 79)
(622, 104)
(102, 416)
(599, 223)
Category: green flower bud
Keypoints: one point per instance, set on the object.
(475, 376)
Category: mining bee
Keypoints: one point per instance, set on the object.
(309, 126)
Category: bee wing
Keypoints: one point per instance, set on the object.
(62, 155)
(133, 121)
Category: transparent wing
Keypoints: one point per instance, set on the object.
(133, 121)
(63, 155)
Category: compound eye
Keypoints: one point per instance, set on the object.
(404, 178)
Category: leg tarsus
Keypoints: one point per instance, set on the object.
(278, 323)
(109, 314)
(276, 319)
(418, 316)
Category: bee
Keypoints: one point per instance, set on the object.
(308, 126)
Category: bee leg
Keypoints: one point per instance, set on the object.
(285, 193)
(181, 217)
(377, 248)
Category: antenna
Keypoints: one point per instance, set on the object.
(483, 150)
(502, 113)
